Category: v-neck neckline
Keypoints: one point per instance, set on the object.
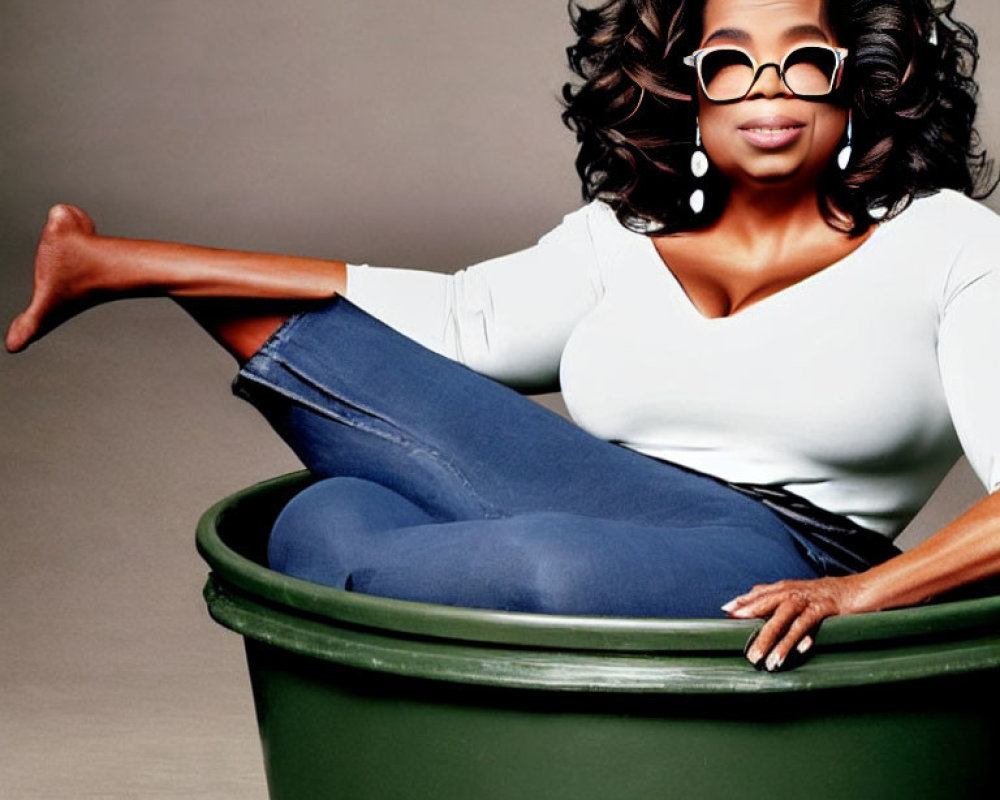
(834, 267)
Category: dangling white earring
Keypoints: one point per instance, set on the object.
(933, 38)
(845, 155)
(699, 168)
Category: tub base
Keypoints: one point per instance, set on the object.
(337, 732)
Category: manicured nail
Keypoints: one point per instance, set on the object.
(804, 644)
(774, 661)
(754, 655)
(729, 606)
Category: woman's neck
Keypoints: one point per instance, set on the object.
(766, 213)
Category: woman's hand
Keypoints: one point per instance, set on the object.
(962, 552)
(795, 608)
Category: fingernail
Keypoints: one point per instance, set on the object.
(751, 652)
(774, 661)
(805, 644)
(729, 606)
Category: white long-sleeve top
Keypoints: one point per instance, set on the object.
(857, 387)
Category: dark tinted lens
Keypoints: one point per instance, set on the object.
(726, 74)
(809, 70)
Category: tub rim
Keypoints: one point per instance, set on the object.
(383, 633)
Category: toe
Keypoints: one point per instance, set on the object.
(60, 213)
(16, 339)
(85, 223)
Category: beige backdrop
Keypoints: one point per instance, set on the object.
(422, 133)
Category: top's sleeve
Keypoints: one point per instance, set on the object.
(969, 351)
(508, 317)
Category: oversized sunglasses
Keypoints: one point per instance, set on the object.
(727, 73)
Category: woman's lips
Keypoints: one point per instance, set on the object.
(770, 133)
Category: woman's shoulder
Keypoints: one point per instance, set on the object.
(593, 227)
(956, 237)
(942, 229)
(595, 217)
(949, 213)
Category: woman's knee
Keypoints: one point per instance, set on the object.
(319, 531)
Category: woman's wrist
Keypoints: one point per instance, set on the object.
(865, 591)
(900, 581)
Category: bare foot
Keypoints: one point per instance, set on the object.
(63, 286)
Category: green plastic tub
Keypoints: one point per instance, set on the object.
(364, 697)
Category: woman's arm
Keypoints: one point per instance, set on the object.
(964, 551)
(968, 549)
(509, 317)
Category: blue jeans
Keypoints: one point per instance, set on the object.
(443, 486)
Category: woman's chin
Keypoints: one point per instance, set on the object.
(770, 174)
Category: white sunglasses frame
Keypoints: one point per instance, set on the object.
(695, 59)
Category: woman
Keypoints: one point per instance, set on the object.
(730, 310)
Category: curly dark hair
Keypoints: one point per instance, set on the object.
(909, 79)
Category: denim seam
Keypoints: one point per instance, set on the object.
(326, 412)
(315, 384)
(410, 444)
(405, 435)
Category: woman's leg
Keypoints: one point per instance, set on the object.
(359, 535)
(560, 563)
(354, 398)
(76, 269)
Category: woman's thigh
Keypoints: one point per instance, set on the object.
(350, 534)
(353, 397)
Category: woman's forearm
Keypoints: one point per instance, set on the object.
(962, 552)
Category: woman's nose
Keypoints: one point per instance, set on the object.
(768, 82)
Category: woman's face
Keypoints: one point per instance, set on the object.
(771, 137)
